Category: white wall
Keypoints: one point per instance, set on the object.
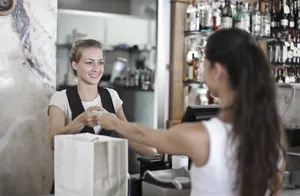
(144, 8)
(163, 60)
(130, 7)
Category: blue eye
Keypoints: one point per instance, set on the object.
(89, 63)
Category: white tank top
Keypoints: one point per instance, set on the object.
(217, 177)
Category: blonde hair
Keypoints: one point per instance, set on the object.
(79, 45)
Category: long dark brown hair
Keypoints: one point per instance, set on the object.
(257, 128)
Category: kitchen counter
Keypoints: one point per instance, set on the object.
(285, 192)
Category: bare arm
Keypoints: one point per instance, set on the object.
(57, 124)
(189, 139)
(281, 176)
(283, 166)
(138, 148)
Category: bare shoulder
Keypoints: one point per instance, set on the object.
(194, 133)
(192, 128)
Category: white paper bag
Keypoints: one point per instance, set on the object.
(90, 165)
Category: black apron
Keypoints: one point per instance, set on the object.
(77, 109)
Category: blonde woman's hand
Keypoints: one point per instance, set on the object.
(90, 116)
(107, 120)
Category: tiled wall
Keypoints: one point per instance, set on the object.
(27, 80)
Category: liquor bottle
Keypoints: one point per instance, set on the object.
(280, 78)
(276, 49)
(208, 17)
(226, 20)
(193, 17)
(284, 49)
(283, 17)
(216, 17)
(295, 49)
(195, 69)
(271, 52)
(238, 16)
(297, 15)
(298, 75)
(266, 22)
(274, 21)
(202, 8)
(246, 17)
(291, 16)
(286, 75)
(190, 69)
(289, 44)
(292, 75)
(256, 20)
(298, 49)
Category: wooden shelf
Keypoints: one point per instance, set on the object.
(264, 39)
(204, 33)
(187, 82)
(289, 85)
(289, 64)
(200, 33)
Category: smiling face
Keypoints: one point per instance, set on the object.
(90, 66)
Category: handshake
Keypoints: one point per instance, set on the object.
(92, 113)
(97, 115)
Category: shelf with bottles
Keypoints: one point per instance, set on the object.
(281, 30)
(285, 49)
(200, 96)
(192, 82)
(209, 16)
(285, 17)
(287, 74)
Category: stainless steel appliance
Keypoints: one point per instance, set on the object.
(288, 100)
(170, 182)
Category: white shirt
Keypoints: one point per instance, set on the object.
(60, 99)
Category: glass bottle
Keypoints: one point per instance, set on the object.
(266, 22)
(256, 20)
(226, 20)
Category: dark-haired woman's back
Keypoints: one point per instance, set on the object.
(218, 176)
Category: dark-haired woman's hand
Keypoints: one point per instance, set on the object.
(107, 120)
(90, 116)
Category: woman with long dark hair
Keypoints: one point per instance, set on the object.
(242, 150)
